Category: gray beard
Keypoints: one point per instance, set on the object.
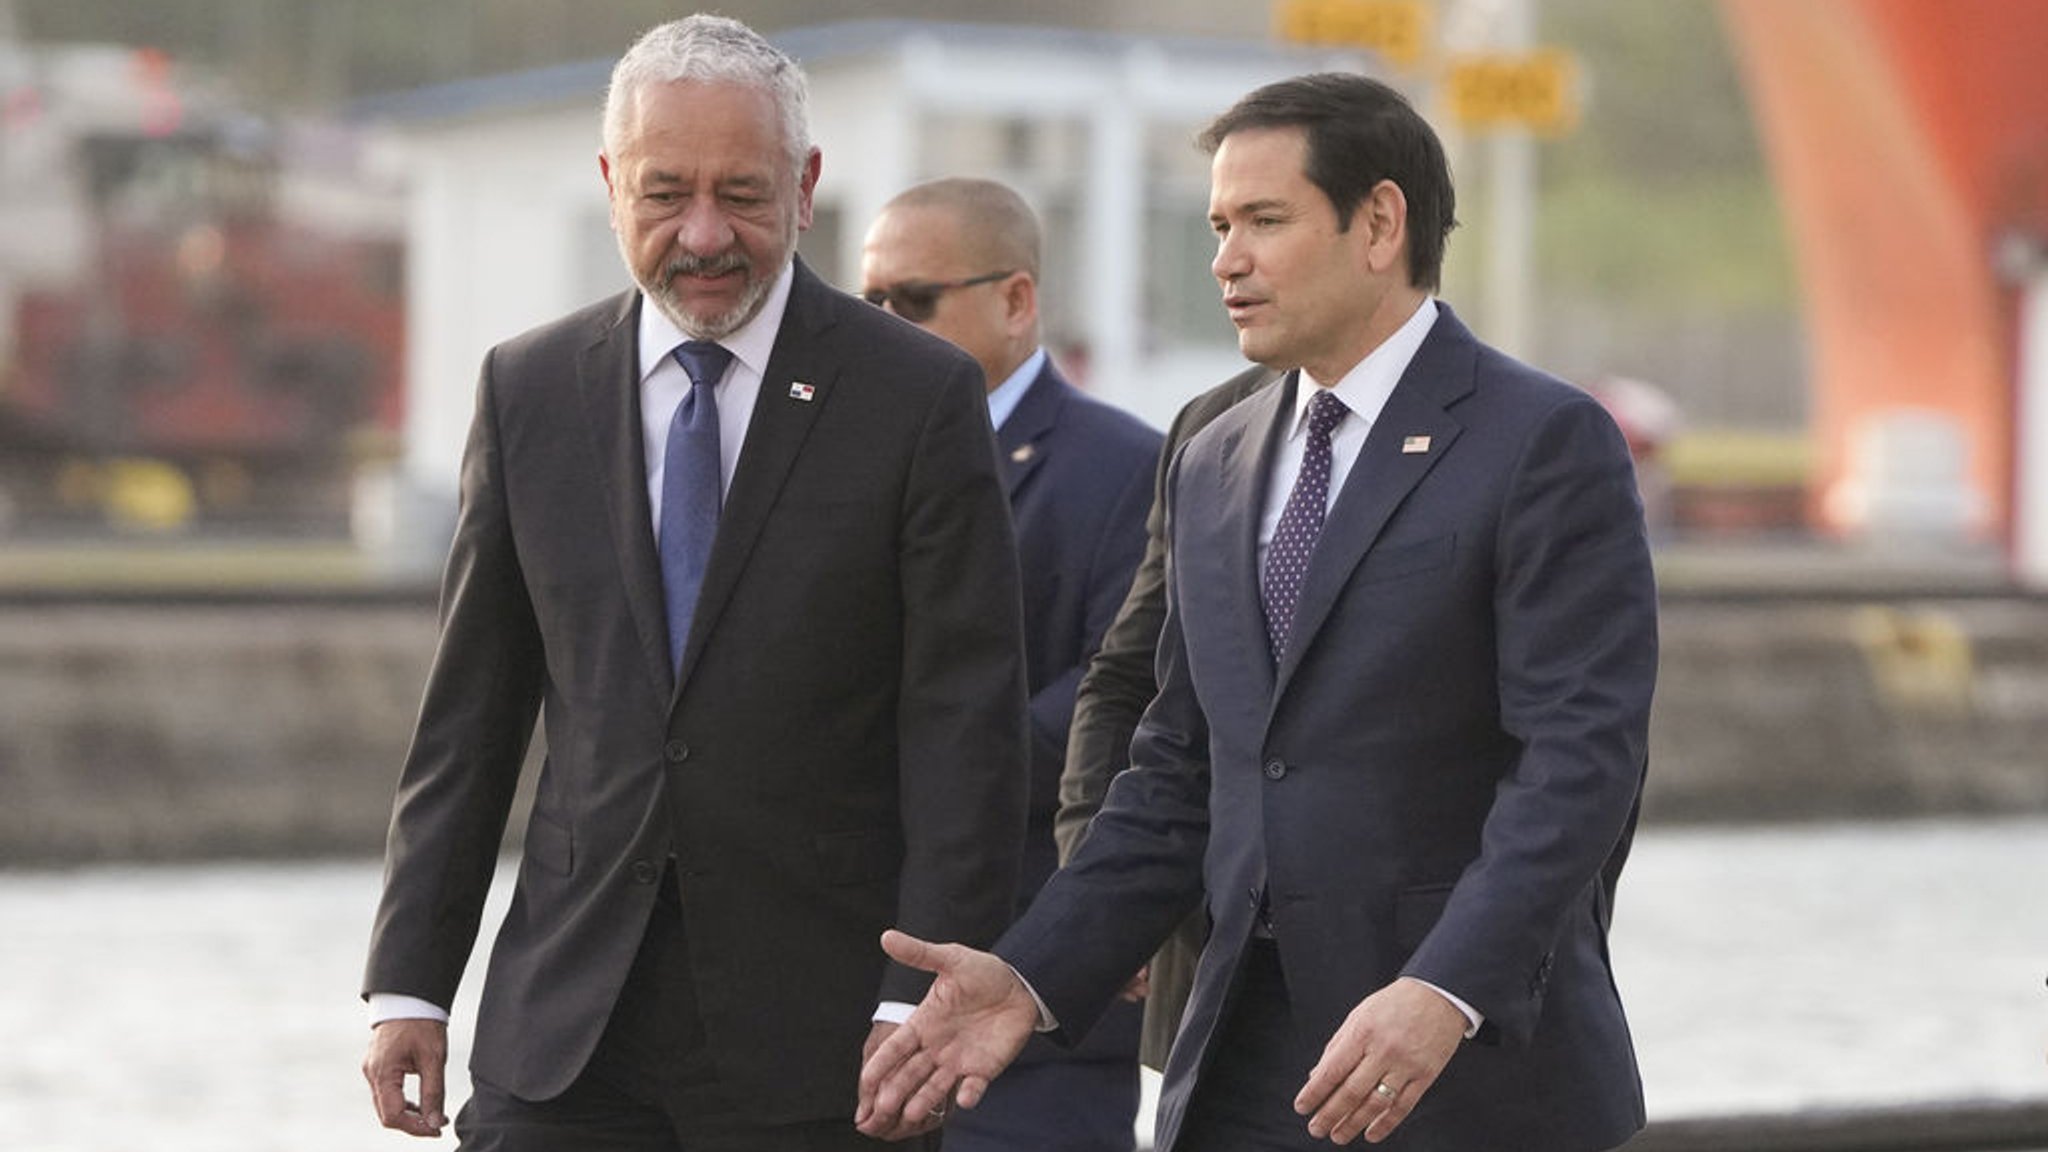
(715, 327)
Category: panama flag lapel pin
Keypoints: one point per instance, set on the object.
(802, 391)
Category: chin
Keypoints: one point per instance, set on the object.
(701, 324)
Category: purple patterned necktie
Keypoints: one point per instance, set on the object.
(690, 488)
(1301, 521)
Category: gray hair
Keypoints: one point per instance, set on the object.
(710, 49)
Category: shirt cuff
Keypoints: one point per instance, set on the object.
(892, 1012)
(1047, 1022)
(393, 1006)
(1473, 1018)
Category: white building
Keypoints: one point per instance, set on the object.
(507, 220)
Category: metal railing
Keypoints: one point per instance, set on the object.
(1962, 1126)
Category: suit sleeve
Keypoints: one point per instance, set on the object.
(961, 725)
(1576, 648)
(1138, 872)
(476, 719)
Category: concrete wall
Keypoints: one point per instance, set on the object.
(150, 732)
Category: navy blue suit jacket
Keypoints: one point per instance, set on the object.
(1439, 779)
(1079, 476)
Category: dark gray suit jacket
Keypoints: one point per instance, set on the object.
(843, 750)
(1439, 778)
(1113, 694)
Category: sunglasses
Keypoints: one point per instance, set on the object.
(914, 300)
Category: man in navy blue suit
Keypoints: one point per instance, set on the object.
(1404, 693)
(960, 257)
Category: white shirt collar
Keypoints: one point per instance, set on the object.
(750, 343)
(1367, 386)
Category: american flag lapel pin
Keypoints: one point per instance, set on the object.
(1022, 453)
(802, 391)
(1414, 445)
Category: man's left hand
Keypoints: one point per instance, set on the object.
(1383, 1058)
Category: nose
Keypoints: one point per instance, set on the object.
(704, 229)
(1231, 261)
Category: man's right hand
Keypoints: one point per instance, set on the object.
(402, 1048)
(966, 1030)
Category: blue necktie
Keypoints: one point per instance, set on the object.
(690, 489)
(1301, 521)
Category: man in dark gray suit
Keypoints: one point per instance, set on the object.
(1405, 681)
(776, 721)
(1112, 697)
(960, 258)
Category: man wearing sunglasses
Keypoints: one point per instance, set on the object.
(960, 258)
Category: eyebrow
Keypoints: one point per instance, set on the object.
(1252, 208)
(750, 181)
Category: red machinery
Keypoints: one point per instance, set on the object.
(209, 352)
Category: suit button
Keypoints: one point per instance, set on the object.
(644, 872)
(1275, 769)
(676, 751)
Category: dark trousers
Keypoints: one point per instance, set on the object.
(1054, 1103)
(1244, 1101)
(651, 1086)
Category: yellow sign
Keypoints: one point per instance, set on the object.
(1396, 29)
(1538, 90)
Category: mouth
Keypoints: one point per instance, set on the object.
(704, 273)
(1240, 308)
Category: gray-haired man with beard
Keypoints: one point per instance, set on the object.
(741, 540)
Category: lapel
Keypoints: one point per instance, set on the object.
(607, 376)
(775, 433)
(1020, 441)
(1439, 375)
(1250, 434)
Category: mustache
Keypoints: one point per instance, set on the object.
(704, 266)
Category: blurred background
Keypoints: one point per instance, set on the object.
(252, 251)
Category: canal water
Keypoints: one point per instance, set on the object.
(213, 1009)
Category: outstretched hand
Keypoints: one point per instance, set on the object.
(964, 1032)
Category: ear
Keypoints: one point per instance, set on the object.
(1020, 303)
(611, 191)
(1384, 218)
(806, 184)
